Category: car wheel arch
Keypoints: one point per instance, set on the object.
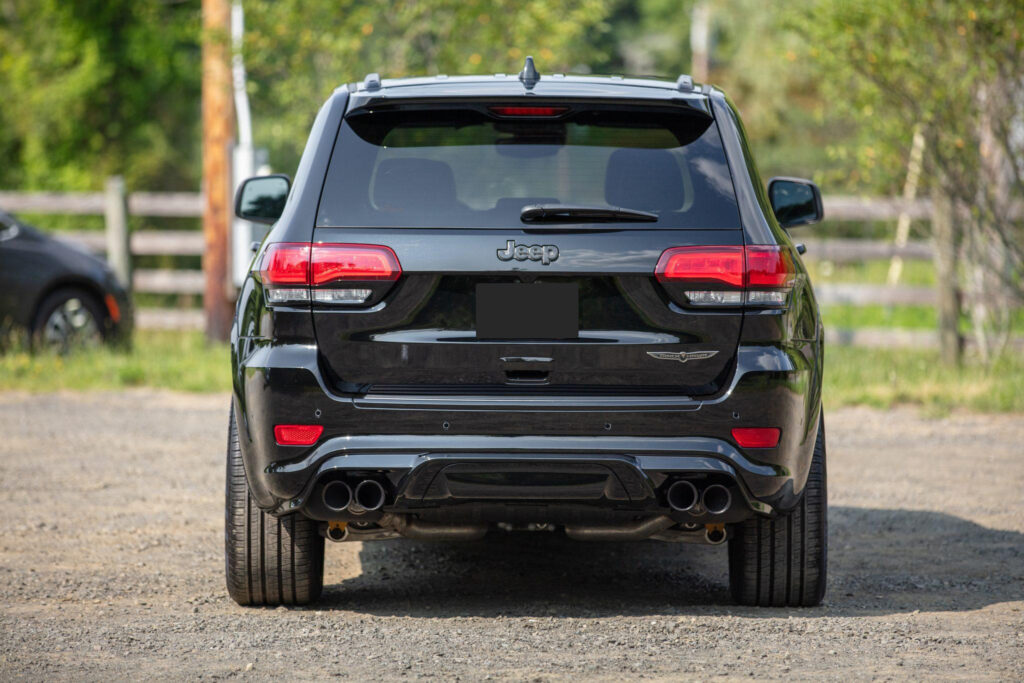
(73, 282)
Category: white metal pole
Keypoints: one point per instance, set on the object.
(243, 161)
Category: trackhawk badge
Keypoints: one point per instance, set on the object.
(682, 356)
(545, 253)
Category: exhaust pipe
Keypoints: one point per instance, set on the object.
(336, 495)
(714, 536)
(682, 496)
(368, 497)
(716, 499)
(420, 530)
(337, 533)
(637, 531)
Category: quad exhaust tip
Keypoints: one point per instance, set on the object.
(336, 495)
(716, 499)
(682, 496)
(369, 496)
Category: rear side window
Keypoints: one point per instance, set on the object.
(473, 168)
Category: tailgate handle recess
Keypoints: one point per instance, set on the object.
(526, 369)
(526, 376)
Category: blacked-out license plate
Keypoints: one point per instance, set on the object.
(528, 311)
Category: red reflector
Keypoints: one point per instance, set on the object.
(529, 111)
(353, 262)
(113, 308)
(297, 435)
(768, 267)
(286, 264)
(756, 437)
(701, 264)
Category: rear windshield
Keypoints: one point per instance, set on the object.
(471, 168)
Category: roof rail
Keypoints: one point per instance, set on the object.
(684, 83)
(371, 82)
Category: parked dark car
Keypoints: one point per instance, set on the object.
(59, 296)
(539, 301)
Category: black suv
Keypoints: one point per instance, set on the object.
(526, 302)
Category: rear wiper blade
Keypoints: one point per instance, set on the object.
(564, 213)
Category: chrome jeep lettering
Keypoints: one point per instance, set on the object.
(545, 253)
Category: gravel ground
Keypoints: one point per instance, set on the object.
(111, 567)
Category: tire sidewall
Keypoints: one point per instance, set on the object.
(54, 300)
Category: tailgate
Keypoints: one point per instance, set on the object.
(628, 335)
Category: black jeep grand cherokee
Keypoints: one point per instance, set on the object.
(534, 301)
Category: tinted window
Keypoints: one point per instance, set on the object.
(467, 168)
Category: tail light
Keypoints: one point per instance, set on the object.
(285, 272)
(729, 275)
(327, 273)
(770, 275)
(360, 262)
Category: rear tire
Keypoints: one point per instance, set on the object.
(782, 562)
(268, 560)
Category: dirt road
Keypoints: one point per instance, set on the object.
(111, 567)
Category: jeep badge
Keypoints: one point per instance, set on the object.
(545, 253)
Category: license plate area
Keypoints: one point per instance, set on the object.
(546, 310)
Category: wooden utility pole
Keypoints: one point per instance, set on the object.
(218, 120)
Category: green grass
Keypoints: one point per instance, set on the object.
(901, 317)
(183, 361)
(883, 378)
(853, 376)
(916, 273)
(876, 315)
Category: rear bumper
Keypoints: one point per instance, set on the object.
(629, 446)
(614, 473)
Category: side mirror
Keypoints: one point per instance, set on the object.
(261, 199)
(795, 201)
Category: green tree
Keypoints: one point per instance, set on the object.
(99, 87)
(956, 68)
(757, 58)
(298, 51)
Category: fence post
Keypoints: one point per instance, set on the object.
(115, 210)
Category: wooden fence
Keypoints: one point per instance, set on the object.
(191, 243)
